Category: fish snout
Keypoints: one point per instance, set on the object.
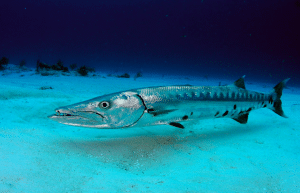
(79, 117)
(64, 112)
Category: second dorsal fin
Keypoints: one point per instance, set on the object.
(240, 83)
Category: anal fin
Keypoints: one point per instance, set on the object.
(243, 118)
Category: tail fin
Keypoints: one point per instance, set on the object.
(276, 95)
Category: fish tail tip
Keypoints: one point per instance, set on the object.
(277, 93)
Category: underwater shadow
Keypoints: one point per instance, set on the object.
(147, 151)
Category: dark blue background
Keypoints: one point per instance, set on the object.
(206, 38)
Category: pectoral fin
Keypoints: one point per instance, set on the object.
(159, 112)
(176, 125)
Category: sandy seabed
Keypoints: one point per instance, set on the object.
(218, 155)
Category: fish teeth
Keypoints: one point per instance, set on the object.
(63, 114)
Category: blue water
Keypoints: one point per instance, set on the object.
(206, 38)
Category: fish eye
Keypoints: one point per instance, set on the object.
(104, 104)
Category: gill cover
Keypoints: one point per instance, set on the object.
(122, 110)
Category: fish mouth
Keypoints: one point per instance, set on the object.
(80, 118)
(77, 114)
(65, 117)
(64, 114)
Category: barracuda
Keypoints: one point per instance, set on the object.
(170, 105)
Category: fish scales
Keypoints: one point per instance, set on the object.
(172, 105)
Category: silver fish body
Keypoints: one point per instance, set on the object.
(171, 105)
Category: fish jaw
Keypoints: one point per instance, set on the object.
(82, 119)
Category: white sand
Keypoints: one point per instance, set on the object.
(221, 155)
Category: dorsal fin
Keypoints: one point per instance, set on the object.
(240, 83)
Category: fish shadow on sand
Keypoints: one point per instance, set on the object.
(144, 151)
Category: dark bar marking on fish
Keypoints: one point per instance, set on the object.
(216, 113)
(238, 96)
(185, 117)
(221, 96)
(241, 95)
(226, 113)
(215, 96)
(207, 96)
(270, 100)
(193, 94)
(233, 95)
(227, 96)
(234, 107)
(201, 96)
(186, 96)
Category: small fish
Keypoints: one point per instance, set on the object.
(170, 105)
